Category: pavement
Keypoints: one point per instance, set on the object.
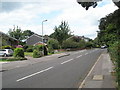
(78, 69)
(100, 75)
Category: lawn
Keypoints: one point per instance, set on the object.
(12, 59)
(28, 54)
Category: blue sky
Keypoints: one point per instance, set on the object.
(29, 15)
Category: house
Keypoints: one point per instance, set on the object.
(78, 38)
(7, 40)
(37, 39)
(86, 39)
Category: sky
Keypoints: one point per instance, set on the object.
(28, 15)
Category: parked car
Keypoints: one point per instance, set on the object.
(6, 52)
(102, 47)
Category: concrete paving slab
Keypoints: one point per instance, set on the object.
(93, 84)
(98, 77)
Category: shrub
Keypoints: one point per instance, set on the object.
(70, 44)
(114, 50)
(37, 54)
(19, 53)
(7, 47)
(50, 50)
(53, 44)
(28, 48)
(40, 48)
(88, 45)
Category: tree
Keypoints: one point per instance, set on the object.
(93, 3)
(27, 33)
(62, 32)
(16, 33)
(19, 34)
(109, 28)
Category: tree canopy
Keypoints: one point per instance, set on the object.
(109, 28)
(19, 34)
(93, 3)
(62, 32)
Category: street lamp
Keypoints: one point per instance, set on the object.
(42, 33)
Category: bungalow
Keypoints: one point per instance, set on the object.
(36, 39)
(7, 40)
(77, 38)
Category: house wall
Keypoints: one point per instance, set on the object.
(5, 40)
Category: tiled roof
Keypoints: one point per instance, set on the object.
(7, 36)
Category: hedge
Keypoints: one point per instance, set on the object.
(19, 53)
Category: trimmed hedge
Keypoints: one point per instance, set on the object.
(41, 48)
(19, 53)
(37, 54)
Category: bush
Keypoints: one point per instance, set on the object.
(70, 44)
(89, 45)
(40, 48)
(28, 48)
(19, 53)
(53, 44)
(114, 50)
(50, 50)
(7, 47)
(37, 54)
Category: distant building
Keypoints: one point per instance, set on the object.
(77, 38)
(36, 39)
(85, 39)
(7, 40)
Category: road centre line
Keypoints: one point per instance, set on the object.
(78, 56)
(67, 61)
(34, 74)
(86, 53)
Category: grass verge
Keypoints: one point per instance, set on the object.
(28, 54)
(12, 59)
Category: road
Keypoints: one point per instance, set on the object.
(64, 72)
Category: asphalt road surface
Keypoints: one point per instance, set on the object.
(65, 72)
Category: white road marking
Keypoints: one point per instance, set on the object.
(78, 56)
(34, 74)
(66, 61)
(89, 72)
(86, 53)
(79, 51)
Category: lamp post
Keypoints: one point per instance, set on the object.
(42, 33)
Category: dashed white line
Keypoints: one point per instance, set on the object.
(86, 53)
(78, 56)
(34, 74)
(66, 61)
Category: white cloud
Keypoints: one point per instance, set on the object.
(30, 16)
